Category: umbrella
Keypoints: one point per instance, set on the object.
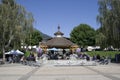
(54, 49)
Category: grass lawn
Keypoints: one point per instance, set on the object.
(104, 53)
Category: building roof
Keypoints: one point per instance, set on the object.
(58, 32)
(59, 42)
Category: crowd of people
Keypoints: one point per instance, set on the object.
(13, 58)
(65, 55)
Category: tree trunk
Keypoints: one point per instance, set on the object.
(3, 50)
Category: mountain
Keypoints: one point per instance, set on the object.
(45, 36)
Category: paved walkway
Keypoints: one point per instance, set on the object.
(48, 72)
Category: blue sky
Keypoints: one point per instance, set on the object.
(67, 13)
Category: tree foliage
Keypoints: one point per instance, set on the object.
(109, 19)
(100, 39)
(16, 25)
(83, 35)
(35, 38)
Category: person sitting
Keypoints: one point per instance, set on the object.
(104, 60)
(10, 59)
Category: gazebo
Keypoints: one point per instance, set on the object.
(59, 42)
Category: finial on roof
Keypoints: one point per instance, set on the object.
(58, 33)
(58, 27)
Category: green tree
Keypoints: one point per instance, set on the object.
(28, 30)
(13, 23)
(83, 35)
(100, 40)
(35, 38)
(109, 19)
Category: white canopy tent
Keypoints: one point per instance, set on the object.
(7, 53)
(18, 52)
